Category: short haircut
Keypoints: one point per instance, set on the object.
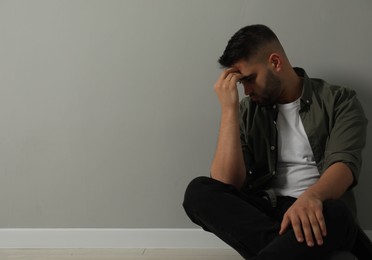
(246, 43)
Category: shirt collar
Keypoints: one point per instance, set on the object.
(307, 89)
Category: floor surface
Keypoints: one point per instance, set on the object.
(119, 254)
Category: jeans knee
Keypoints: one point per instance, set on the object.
(194, 192)
(340, 220)
(336, 210)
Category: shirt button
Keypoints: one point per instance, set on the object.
(250, 172)
(274, 122)
(307, 101)
(272, 148)
(273, 172)
(274, 106)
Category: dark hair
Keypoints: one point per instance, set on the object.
(245, 43)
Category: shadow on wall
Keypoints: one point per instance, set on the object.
(362, 192)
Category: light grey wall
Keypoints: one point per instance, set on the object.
(107, 108)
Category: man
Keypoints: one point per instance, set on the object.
(287, 157)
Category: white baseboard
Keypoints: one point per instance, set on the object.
(111, 238)
(108, 238)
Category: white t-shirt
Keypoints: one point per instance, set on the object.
(296, 169)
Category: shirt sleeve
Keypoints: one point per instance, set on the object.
(348, 133)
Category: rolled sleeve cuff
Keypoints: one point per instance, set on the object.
(351, 160)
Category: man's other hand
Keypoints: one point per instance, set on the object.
(307, 220)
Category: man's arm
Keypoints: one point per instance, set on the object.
(228, 163)
(306, 214)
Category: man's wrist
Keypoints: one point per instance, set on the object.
(311, 193)
(230, 110)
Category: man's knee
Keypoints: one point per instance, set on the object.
(336, 210)
(203, 193)
(340, 221)
(194, 192)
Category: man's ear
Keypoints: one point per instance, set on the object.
(275, 61)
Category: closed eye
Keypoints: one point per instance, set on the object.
(248, 79)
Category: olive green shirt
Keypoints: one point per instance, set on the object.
(333, 120)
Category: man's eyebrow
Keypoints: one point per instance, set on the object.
(247, 77)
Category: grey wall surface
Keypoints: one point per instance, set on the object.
(107, 108)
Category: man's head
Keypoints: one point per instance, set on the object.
(249, 43)
(266, 74)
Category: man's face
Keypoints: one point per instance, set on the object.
(259, 82)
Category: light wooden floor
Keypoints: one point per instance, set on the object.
(119, 254)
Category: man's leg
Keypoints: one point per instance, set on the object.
(250, 225)
(341, 233)
(237, 219)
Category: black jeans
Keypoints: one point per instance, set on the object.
(250, 224)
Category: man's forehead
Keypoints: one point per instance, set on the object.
(245, 67)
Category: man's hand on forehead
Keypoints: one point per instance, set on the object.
(226, 88)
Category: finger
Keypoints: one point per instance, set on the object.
(322, 224)
(307, 230)
(226, 72)
(230, 82)
(297, 229)
(316, 230)
(284, 225)
(229, 77)
(224, 80)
